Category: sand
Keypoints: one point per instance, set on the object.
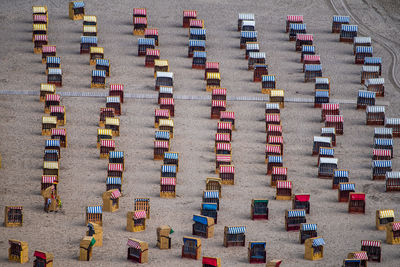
(82, 173)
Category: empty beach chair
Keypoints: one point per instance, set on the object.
(138, 251)
(196, 45)
(144, 44)
(394, 124)
(301, 201)
(348, 32)
(218, 94)
(89, 30)
(139, 25)
(211, 197)
(160, 147)
(257, 252)
(311, 72)
(311, 59)
(54, 76)
(314, 248)
(256, 58)
(39, 41)
(373, 249)
(268, 82)
(277, 96)
(248, 25)
(48, 51)
(167, 187)
(136, 221)
(293, 19)
(361, 41)
(234, 236)
(365, 98)
(39, 29)
(191, 248)
(216, 107)
(52, 62)
(90, 20)
(197, 34)
(76, 10)
(213, 80)
(259, 209)
(211, 67)
(369, 72)
(361, 53)
(48, 123)
(117, 90)
(86, 43)
(335, 121)
(164, 79)
(172, 158)
(320, 141)
(151, 34)
(106, 145)
(244, 16)
(199, 60)
(321, 97)
(392, 181)
(139, 13)
(209, 210)
(329, 109)
(168, 103)
(18, 251)
(374, 61)
(339, 176)
(344, 191)
(59, 113)
(376, 85)
(295, 28)
(375, 115)
(111, 200)
(329, 132)
(322, 83)
(326, 167)
(379, 169)
(251, 47)
(166, 92)
(337, 22)
(283, 190)
(203, 226)
(293, 219)
(357, 203)
(307, 230)
(393, 233)
(160, 65)
(150, 56)
(307, 50)
(247, 36)
(260, 70)
(303, 39)
(187, 16)
(278, 174)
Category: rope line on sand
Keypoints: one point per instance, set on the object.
(186, 97)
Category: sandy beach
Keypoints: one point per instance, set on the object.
(83, 174)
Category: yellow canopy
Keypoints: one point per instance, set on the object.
(277, 92)
(49, 119)
(161, 62)
(386, 214)
(166, 122)
(96, 49)
(39, 27)
(88, 18)
(214, 75)
(50, 165)
(89, 28)
(101, 131)
(48, 87)
(39, 9)
(112, 121)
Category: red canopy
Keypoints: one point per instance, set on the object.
(302, 198)
(210, 261)
(357, 196)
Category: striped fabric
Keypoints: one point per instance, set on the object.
(275, 139)
(57, 109)
(54, 71)
(78, 4)
(277, 93)
(218, 103)
(49, 179)
(304, 37)
(347, 187)
(297, 27)
(39, 27)
(369, 68)
(53, 60)
(284, 184)
(273, 149)
(89, 28)
(328, 130)
(211, 194)
(272, 117)
(96, 50)
(322, 139)
(199, 23)
(113, 99)
(322, 93)
(197, 31)
(248, 34)
(113, 180)
(311, 58)
(168, 168)
(392, 175)
(119, 167)
(39, 10)
(161, 112)
(330, 107)
(268, 78)
(115, 194)
(246, 16)
(320, 80)
(51, 165)
(140, 21)
(219, 91)
(161, 62)
(234, 230)
(371, 243)
(308, 227)
(349, 28)
(308, 48)
(103, 62)
(381, 163)
(224, 146)
(167, 101)
(133, 244)
(51, 151)
(112, 121)
(99, 73)
(392, 121)
(334, 118)
(162, 135)
(223, 158)
(375, 109)
(164, 74)
(224, 125)
(214, 76)
(383, 130)
(227, 169)
(294, 18)
(171, 155)
(197, 43)
(168, 181)
(360, 255)
(257, 55)
(274, 128)
(190, 13)
(227, 115)
(107, 143)
(341, 19)
(376, 81)
(326, 151)
(87, 18)
(296, 213)
(52, 143)
(161, 144)
(152, 52)
(318, 242)
(341, 173)
(199, 54)
(364, 50)
(48, 48)
(331, 161)
(312, 67)
(151, 32)
(104, 132)
(139, 214)
(372, 60)
(362, 40)
(275, 159)
(383, 142)
(382, 152)
(146, 41)
(94, 209)
(139, 11)
(166, 122)
(222, 137)
(272, 106)
(252, 46)
(58, 132)
(212, 65)
(396, 226)
(279, 171)
(88, 40)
